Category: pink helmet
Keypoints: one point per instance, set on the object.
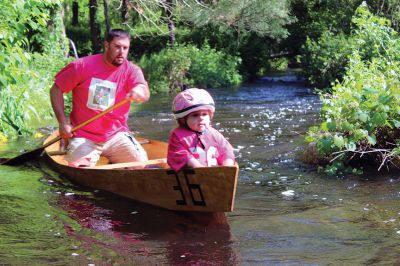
(192, 100)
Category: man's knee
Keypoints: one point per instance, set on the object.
(125, 148)
(82, 153)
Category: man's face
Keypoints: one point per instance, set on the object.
(116, 51)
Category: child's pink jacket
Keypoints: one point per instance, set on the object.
(210, 148)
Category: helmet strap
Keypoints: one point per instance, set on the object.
(198, 134)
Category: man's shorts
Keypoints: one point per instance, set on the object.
(121, 148)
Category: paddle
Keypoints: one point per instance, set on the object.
(34, 153)
(130, 164)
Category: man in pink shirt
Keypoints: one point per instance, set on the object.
(97, 82)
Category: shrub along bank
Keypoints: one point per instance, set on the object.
(361, 114)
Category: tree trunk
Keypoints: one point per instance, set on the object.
(51, 27)
(125, 12)
(107, 18)
(94, 26)
(171, 26)
(75, 13)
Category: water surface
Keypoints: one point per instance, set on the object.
(285, 212)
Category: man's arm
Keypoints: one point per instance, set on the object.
(139, 94)
(57, 102)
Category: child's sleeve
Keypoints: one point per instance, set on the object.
(178, 155)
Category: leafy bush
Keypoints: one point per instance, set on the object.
(173, 68)
(166, 70)
(211, 68)
(13, 116)
(25, 76)
(325, 59)
(279, 64)
(361, 116)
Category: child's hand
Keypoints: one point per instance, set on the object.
(193, 162)
(228, 162)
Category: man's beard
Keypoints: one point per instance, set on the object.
(117, 63)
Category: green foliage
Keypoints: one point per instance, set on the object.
(167, 70)
(12, 114)
(318, 16)
(79, 35)
(389, 9)
(18, 18)
(25, 74)
(361, 114)
(314, 19)
(251, 27)
(263, 17)
(325, 60)
(253, 30)
(211, 68)
(173, 68)
(279, 64)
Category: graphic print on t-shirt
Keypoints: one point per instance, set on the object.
(101, 94)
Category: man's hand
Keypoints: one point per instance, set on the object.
(65, 131)
(139, 94)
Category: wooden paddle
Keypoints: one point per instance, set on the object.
(130, 164)
(20, 159)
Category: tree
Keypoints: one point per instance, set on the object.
(171, 27)
(106, 17)
(75, 13)
(263, 17)
(389, 9)
(94, 26)
(125, 11)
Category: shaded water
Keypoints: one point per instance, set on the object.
(285, 213)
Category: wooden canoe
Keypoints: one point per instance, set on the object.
(205, 189)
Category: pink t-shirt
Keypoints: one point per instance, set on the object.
(95, 87)
(209, 148)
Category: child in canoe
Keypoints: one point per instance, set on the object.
(194, 143)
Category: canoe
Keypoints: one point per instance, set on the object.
(204, 189)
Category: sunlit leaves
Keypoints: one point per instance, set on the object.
(21, 90)
(346, 126)
(371, 139)
(378, 120)
(360, 134)
(351, 146)
(362, 116)
(338, 141)
(363, 109)
(12, 114)
(189, 65)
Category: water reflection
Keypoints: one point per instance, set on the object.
(144, 234)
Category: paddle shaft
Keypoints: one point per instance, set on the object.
(129, 164)
(27, 155)
(81, 125)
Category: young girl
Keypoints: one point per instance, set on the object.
(194, 143)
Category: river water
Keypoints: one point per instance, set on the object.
(285, 212)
